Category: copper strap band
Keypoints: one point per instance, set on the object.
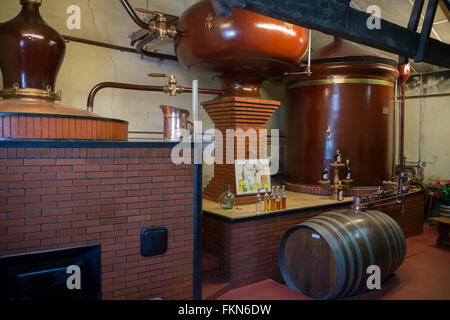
(15, 91)
(341, 81)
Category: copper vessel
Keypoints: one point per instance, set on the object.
(348, 104)
(30, 58)
(241, 51)
(175, 120)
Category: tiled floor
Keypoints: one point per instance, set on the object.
(424, 275)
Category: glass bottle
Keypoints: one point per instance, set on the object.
(258, 202)
(278, 199)
(283, 198)
(272, 200)
(338, 156)
(341, 192)
(348, 175)
(226, 199)
(325, 171)
(266, 201)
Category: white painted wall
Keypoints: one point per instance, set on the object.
(427, 125)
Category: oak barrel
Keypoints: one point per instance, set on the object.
(326, 257)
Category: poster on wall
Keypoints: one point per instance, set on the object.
(251, 175)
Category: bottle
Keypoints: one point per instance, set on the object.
(278, 199)
(325, 171)
(338, 156)
(266, 201)
(272, 200)
(283, 198)
(226, 199)
(341, 192)
(348, 175)
(258, 202)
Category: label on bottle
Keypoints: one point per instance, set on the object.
(315, 236)
(338, 159)
(341, 195)
(348, 176)
(325, 176)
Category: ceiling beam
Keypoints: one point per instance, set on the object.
(340, 20)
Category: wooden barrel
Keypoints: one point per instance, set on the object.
(327, 256)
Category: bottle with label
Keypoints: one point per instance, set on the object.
(348, 175)
(340, 192)
(338, 156)
(258, 202)
(272, 200)
(325, 171)
(278, 199)
(266, 201)
(283, 198)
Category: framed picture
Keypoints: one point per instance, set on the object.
(251, 175)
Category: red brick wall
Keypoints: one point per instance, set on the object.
(63, 197)
(249, 250)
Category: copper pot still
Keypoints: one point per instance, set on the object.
(176, 123)
(241, 51)
(348, 104)
(30, 58)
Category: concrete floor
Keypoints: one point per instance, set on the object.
(424, 275)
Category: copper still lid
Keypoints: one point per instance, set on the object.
(30, 59)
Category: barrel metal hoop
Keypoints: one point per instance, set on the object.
(361, 231)
(400, 234)
(347, 250)
(391, 226)
(338, 256)
(393, 235)
(281, 248)
(386, 239)
(357, 249)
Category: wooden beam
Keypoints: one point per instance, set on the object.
(445, 7)
(337, 19)
(413, 23)
(426, 30)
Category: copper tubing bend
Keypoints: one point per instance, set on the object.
(137, 87)
(133, 15)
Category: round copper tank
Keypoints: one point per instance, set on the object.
(242, 50)
(30, 58)
(348, 104)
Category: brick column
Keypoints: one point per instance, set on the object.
(235, 113)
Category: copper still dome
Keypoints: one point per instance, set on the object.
(31, 56)
(347, 103)
(241, 51)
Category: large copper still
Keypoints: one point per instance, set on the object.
(348, 104)
(241, 51)
(30, 57)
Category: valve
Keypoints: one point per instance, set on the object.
(172, 87)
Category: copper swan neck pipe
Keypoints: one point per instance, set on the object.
(133, 15)
(137, 87)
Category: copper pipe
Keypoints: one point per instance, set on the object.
(120, 48)
(137, 87)
(133, 15)
(429, 95)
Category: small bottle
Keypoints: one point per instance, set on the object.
(338, 156)
(278, 199)
(341, 192)
(272, 200)
(283, 198)
(266, 201)
(258, 203)
(348, 175)
(325, 171)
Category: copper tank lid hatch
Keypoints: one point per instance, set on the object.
(342, 50)
(30, 59)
